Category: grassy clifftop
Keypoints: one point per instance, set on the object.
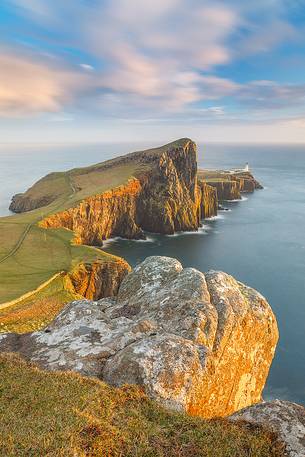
(65, 215)
(63, 414)
(30, 255)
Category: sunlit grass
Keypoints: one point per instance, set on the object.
(63, 414)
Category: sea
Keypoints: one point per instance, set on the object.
(260, 240)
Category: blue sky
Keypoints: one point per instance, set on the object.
(121, 70)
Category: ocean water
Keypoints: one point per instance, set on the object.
(260, 241)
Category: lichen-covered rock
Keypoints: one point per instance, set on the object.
(197, 342)
(285, 418)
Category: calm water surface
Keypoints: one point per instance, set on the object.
(261, 241)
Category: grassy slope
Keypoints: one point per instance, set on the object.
(213, 176)
(63, 414)
(30, 255)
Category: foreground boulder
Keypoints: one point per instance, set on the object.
(197, 342)
(286, 419)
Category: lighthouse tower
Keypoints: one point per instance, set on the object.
(247, 169)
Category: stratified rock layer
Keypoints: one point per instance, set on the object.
(229, 185)
(197, 342)
(208, 200)
(285, 418)
(98, 279)
(226, 189)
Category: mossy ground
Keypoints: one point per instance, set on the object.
(64, 414)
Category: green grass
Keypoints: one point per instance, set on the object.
(42, 254)
(214, 175)
(30, 255)
(63, 414)
(36, 312)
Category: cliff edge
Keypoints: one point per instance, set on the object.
(161, 195)
(156, 190)
(197, 342)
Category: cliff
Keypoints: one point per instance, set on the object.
(160, 193)
(161, 196)
(197, 342)
(98, 279)
(155, 190)
(226, 189)
(229, 185)
(208, 200)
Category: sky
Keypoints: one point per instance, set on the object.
(134, 70)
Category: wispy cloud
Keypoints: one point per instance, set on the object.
(130, 57)
(28, 86)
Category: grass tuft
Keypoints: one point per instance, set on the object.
(64, 414)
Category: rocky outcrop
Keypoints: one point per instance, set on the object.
(96, 218)
(197, 342)
(227, 189)
(208, 200)
(246, 181)
(230, 185)
(286, 419)
(40, 194)
(164, 198)
(98, 279)
(21, 204)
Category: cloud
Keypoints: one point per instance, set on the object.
(28, 86)
(86, 66)
(271, 95)
(150, 58)
(264, 37)
(159, 54)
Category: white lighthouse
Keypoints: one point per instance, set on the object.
(246, 169)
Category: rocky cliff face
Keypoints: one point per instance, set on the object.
(99, 279)
(208, 200)
(197, 342)
(21, 203)
(163, 199)
(230, 186)
(96, 218)
(227, 189)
